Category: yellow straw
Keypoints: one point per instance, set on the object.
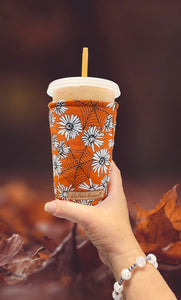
(84, 62)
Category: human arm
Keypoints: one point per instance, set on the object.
(107, 226)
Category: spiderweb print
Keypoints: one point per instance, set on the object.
(93, 114)
(77, 166)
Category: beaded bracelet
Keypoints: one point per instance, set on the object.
(126, 273)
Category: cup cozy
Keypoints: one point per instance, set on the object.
(82, 139)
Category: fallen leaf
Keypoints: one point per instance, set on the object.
(159, 230)
(10, 248)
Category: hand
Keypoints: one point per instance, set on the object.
(106, 224)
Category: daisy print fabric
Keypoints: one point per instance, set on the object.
(82, 139)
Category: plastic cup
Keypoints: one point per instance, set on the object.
(83, 88)
(82, 119)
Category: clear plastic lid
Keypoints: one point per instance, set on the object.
(86, 81)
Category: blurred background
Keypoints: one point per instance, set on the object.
(134, 43)
(137, 44)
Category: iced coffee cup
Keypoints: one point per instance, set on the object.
(82, 118)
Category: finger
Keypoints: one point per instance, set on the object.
(71, 211)
(116, 186)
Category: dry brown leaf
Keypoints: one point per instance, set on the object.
(19, 269)
(160, 227)
(10, 248)
(22, 211)
(71, 270)
(172, 209)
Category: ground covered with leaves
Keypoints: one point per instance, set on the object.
(43, 256)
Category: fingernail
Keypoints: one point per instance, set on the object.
(50, 207)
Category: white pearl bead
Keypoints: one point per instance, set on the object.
(117, 287)
(155, 264)
(126, 274)
(140, 261)
(116, 296)
(151, 258)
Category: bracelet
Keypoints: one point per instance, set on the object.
(126, 273)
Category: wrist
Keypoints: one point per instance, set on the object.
(124, 256)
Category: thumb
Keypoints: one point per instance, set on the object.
(74, 212)
(116, 186)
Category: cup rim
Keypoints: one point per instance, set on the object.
(83, 81)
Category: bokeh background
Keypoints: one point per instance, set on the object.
(134, 43)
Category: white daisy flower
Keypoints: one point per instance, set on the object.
(111, 105)
(54, 187)
(92, 136)
(52, 118)
(62, 190)
(104, 182)
(87, 202)
(113, 126)
(101, 160)
(111, 143)
(60, 107)
(91, 187)
(63, 150)
(108, 123)
(57, 165)
(54, 141)
(70, 126)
